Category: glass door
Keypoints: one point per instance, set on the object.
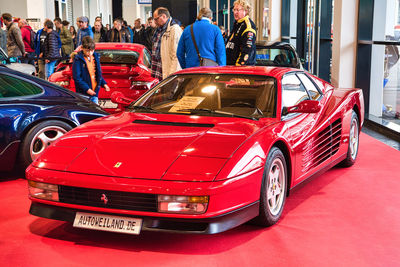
(310, 35)
(317, 43)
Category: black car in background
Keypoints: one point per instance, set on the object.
(34, 113)
(279, 54)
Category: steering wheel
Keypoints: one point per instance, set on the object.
(242, 104)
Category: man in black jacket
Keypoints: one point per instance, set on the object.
(118, 34)
(51, 48)
(138, 33)
(149, 33)
(99, 33)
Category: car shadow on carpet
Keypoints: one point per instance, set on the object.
(12, 175)
(147, 241)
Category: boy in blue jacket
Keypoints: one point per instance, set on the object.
(86, 71)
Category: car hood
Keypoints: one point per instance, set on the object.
(145, 146)
(22, 67)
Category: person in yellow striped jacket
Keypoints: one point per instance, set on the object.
(241, 44)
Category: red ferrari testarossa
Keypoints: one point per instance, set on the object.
(204, 151)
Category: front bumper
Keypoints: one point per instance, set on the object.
(211, 225)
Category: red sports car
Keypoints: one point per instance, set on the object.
(205, 150)
(126, 68)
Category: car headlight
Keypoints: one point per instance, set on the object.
(43, 191)
(182, 204)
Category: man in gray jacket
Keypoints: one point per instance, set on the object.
(3, 39)
(15, 45)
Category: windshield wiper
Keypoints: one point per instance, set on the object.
(149, 109)
(210, 111)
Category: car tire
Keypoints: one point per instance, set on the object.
(39, 138)
(354, 136)
(273, 189)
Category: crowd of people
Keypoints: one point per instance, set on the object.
(172, 46)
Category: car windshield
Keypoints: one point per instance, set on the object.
(276, 57)
(118, 56)
(234, 95)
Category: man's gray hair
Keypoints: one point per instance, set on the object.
(162, 10)
(205, 12)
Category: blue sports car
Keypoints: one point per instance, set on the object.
(34, 113)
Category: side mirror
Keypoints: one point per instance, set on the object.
(118, 98)
(306, 106)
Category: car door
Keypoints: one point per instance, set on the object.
(303, 128)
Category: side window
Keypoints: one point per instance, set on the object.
(319, 84)
(3, 59)
(293, 91)
(14, 87)
(312, 90)
(147, 58)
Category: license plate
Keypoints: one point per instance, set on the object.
(109, 223)
(105, 103)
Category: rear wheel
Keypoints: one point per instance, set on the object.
(39, 138)
(273, 189)
(353, 142)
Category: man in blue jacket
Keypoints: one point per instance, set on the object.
(86, 71)
(84, 30)
(208, 39)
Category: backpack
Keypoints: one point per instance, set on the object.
(32, 39)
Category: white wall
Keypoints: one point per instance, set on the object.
(17, 8)
(344, 45)
(275, 22)
(29, 9)
(36, 9)
(42, 9)
(131, 11)
(77, 11)
(105, 8)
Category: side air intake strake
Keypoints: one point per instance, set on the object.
(324, 146)
(168, 123)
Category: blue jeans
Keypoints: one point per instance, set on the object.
(94, 99)
(50, 68)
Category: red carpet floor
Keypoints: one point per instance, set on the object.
(346, 217)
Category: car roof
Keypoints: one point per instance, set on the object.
(276, 72)
(277, 44)
(120, 46)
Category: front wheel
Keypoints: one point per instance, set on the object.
(273, 189)
(39, 138)
(354, 135)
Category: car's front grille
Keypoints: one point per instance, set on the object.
(107, 198)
